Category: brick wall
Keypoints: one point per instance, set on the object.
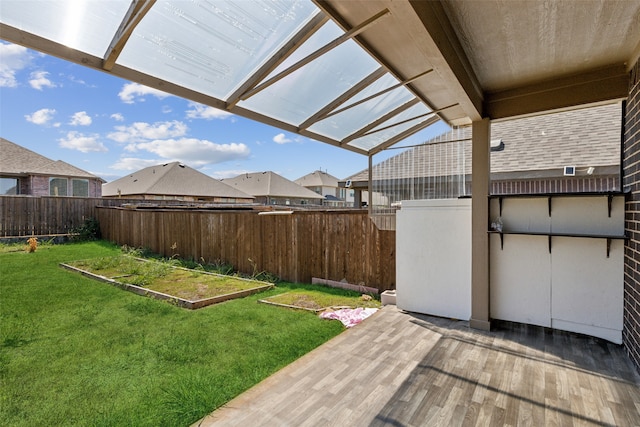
(631, 165)
(556, 185)
(37, 185)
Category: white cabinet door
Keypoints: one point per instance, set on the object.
(520, 277)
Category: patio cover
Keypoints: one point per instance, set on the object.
(281, 62)
(358, 74)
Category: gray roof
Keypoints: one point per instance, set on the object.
(171, 179)
(270, 184)
(587, 137)
(317, 179)
(17, 160)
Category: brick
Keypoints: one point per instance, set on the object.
(631, 165)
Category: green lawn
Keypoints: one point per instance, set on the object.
(77, 352)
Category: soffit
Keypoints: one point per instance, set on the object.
(500, 59)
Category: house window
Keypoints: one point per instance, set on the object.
(80, 187)
(8, 186)
(57, 186)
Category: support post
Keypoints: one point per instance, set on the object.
(370, 201)
(357, 199)
(480, 164)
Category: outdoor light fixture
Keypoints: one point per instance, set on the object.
(497, 145)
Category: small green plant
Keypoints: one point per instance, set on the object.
(263, 276)
(135, 252)
(88, 231)
(221, 267)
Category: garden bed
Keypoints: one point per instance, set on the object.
(184, 287)
(317, 300)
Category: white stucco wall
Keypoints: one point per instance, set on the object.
(433, 257)
(574, 287)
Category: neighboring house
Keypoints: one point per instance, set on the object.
(24, 172)
(325, 185)
(270, 188)
(174, 181)
(571, 151)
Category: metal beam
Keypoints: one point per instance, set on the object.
(291, 128)
(401, 122)
(357, 88)
(318, 53)
(596, 86)
(405, 134)
(32, 41)
(276, 59)
(137, 10)
(430, 113)
(331, 11)
(382, 92)
(379, 121)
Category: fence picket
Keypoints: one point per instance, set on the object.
(334, 245)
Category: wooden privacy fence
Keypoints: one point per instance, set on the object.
(27, 216)
(334, 245)
(51, 215)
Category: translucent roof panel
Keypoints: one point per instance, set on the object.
(302, 93)
(207, 50)
(212, 46)
(374, 139)
(343, 124)
(88, 26)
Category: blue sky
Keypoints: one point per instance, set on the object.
(111, 127)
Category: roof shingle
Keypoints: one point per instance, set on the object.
(270, 184)
(17, 160)
(582, 138)
(171, 179)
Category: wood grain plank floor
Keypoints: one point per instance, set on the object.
(405, 369)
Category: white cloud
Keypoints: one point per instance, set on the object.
(41, 117)
(133, 164)
(39, 80)
(134, 92)
(281, 139)
(195, 152)
(13, 58)
(81, 82)
(81, 118)
(117, 117)
(200, 111)
(141, 131)
(84, 143)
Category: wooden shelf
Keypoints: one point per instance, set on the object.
(549, 196)
(550, 235)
